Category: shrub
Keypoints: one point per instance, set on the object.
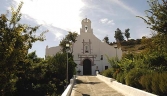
(121, 77)
(133, 77)
(131, 42)
(141, 48)
(138, 41)
(145, 81)
(108, 73)
(163, 83)
(124, 43)
(155, 83)
(114, 75)
(118, 77)
(159, 83)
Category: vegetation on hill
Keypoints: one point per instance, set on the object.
(131, 45)
(146, 70)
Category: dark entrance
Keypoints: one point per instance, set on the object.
(87, 69)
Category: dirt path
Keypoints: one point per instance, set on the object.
(92, 86)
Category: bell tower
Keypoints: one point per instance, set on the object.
(86, 26)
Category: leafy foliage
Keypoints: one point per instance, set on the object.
(147, 70)
(127, 34)
(70, 39)
(133, 77)
(108, 73)
(135, 69)
(157, 16)
(15, 40)
(106, 39)
(118, 35)
(58, 69)
(155, 82)
(38, 77)
(34, 78)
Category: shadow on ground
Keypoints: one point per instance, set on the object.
(85, 95)
(82, 94)
(81, 82)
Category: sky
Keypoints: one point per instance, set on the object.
(62, 16)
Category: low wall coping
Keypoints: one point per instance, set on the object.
(124, 89)
(68, 90)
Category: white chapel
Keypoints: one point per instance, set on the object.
(89, 51)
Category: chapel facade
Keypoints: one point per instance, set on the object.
(89, 51)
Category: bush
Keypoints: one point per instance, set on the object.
(121, 77)
(133, 77)
(108, 73)
(115, 75)
(155, 83)
(138, 41)
(163, 83)
(159, 84)
(118, 76)
(145, 81)
(141, 48)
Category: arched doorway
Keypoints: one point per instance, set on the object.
(87, 69)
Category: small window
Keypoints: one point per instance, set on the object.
(101, 57)
(106, 67)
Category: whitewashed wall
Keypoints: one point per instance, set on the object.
(98, 48)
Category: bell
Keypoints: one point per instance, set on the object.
(86, 27)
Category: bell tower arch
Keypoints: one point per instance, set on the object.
(86, 26)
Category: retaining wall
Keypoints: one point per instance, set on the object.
(124, 89)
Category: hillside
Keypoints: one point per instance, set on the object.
(131, 45)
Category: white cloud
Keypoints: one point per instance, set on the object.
(57, 32)
(63, 14)
(58, 35)
(107, 21)
(111, 22)
(104, 20)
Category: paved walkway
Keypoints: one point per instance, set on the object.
(92, 86)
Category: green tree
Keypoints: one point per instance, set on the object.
(106, 39)
(58, 68)
(70, 38)
(157, 16)
(118, 35)
(157, 21)
(127, 34)
(141, 69)
(15, 40)
(33, 79)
